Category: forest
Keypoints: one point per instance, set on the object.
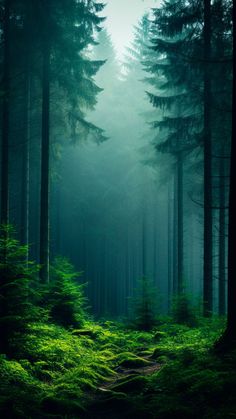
(117, 212)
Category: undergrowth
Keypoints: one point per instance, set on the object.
(55, 361)
(56, 369)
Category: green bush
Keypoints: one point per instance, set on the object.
(144, 305)
(64, 296)
(16, 293)
(183, 311)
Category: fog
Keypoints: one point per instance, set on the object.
(114, 156)
(116, 199)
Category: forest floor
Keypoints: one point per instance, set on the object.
(109, 400)
(108, 370)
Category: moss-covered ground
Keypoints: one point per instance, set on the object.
(108, 371)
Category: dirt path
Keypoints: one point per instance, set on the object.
(113, 398)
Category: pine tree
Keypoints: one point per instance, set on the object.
(16, 296)
(144, 305)
(5, 115)
(65, 28)
(188, 67)
(173, 79)
(228, 339)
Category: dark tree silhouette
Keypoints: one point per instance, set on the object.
(5, 116)
(229, 337)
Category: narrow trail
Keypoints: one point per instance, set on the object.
(113, 398)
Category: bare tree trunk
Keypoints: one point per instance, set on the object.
(170, 241)
(144, 245)
(175, 235)
(45, 159)
(180, 235)
(231, 325)
(222, 239)
(5, 118)
(25, 161)
(208, 240)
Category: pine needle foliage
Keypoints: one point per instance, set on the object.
(183, 311)
(16, 295)
(64, 296)
(144, 305)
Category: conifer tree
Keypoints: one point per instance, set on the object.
(65, 28)
(16, 302)
(5, 114)
(173, 79)
(187, 65)
(228, 339)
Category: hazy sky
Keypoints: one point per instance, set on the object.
(122, 15)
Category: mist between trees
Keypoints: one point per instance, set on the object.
(117, 235)
(123, 167)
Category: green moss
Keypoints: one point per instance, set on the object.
(130, 385)
(85, 332)
(58, 373)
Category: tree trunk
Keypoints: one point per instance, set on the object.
(231, 325)
(175, 235)
(222, 239)
(144, 245)
(5, 118)
(208, 269)
(45, 159)
(25, 161)
(170, 246)
(180, 234)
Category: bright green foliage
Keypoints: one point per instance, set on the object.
(194, 383)
(144, 305)
(57, 369)
(54, 369)
(64, 296)
(20, 391)
(16, 308)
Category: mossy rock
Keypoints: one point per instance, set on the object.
(147, 352)
(108, 393)
(131, 361)
(110, 346)
(157, 353)
(130, 385)
(163, 359)
(160, 352)
(84, 332)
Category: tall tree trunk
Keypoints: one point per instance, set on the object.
(222, 238)
(25, 160)
(5, 118)
(180, 234)
(175, 234)
(58, 227)
(144, 245)
(45, 160)
(27, 51)
(170, 245)
(231, 325)
(208, 240)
